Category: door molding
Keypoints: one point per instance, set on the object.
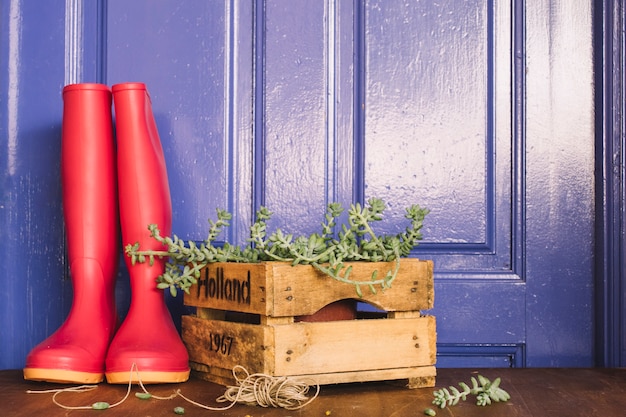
(610, 18)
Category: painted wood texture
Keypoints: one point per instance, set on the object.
(480, 111)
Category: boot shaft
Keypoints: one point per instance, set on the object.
(88, 176)
(144, 194)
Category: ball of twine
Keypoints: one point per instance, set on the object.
(268, 391)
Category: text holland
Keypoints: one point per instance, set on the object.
(221, 288)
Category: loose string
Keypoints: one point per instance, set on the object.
(100, 405)
(252, 389)
(82, 388)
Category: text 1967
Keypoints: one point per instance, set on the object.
(220, 343)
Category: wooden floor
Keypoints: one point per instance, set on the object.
(534, 392)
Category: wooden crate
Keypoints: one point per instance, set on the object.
(262, 334)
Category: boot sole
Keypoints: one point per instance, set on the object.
(62, 376)
(147, 377)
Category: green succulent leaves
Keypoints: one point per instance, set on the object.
(485, 391)
(327, 251)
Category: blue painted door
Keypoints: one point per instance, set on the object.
(481, 111)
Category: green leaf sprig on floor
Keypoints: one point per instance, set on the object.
(485, 391)
(355, 241)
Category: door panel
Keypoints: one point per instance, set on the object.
(35, 296)
(559, 234)
(307, 149)
(438, 129)
(295, 131)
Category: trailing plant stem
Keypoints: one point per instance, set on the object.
(322, 251)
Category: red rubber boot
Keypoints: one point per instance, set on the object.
(147, 338)
(76, 352)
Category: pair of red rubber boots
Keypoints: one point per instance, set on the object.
(107, 188)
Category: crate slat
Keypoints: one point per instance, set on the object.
(279, 289)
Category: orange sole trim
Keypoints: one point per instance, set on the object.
(62, 376)
(147, 377)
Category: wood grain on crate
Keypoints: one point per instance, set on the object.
(261, 332)
(327, 352)
(309, 348)
(278, 289)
